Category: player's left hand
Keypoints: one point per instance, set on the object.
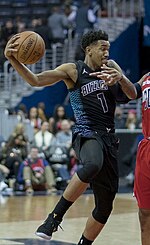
(108, 74)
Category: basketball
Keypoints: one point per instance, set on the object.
(31, 47)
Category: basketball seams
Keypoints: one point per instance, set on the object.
(37, 36)
(32, 47)
(22, 43)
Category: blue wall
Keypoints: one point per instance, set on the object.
(49, 95)
(125, 51)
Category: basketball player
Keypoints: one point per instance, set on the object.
(142, 170)
(93, 101)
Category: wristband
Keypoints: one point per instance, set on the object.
(138, 90)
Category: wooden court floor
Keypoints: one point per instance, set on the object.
(21, 215)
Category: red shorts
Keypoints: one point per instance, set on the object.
(142, 175)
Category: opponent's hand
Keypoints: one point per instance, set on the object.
(11, 46)
(109, 74)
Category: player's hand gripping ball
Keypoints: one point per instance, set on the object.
(31, 47)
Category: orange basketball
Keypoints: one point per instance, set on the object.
(31, 47)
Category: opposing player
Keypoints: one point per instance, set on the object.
(142, 170)
(93, 101)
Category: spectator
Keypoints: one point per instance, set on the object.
(34, 119)
(44, 31)
(64, 136)
(74, 163)
(58, 23)
(41, 111)
(55, 121)
(22, 112)
(85, 18)
(19, 141)
(131, 120)
(119, 120)
(4, 171)
(15, 151)
(36, 172)
(43, 138)
(130, 159)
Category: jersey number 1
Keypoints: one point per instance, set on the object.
(101, 98)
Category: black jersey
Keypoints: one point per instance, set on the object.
(93, 102)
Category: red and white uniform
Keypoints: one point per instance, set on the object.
(142, 170)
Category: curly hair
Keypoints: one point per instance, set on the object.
(91, 37)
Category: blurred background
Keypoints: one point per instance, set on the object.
(61, 24)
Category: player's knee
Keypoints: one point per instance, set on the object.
(144, 214)
(88, 172)
(101, 215)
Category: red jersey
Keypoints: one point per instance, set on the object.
(146, 106)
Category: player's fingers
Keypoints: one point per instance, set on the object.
(106, 67)
(95, 73)
(13, 45)
(109, 71)
(104, 76)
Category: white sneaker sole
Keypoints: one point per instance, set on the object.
(44, 236)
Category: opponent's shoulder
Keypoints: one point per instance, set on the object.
(145, 76)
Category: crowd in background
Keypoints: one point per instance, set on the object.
(48, 161)
(51, 144)
(77, 16)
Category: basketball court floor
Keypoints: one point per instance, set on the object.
(21, 215)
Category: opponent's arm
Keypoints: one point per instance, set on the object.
(45, 78)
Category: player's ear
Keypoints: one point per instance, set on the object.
(88, 50)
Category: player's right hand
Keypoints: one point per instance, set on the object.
(11, 46)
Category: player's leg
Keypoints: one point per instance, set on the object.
(142, 193)
(105, 186)
(142, 189)
(103, 207)
(91, 155)
(78, 184)
(144, 218)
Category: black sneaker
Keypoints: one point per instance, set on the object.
(49, 226)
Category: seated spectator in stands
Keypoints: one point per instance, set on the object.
(34, 119)
(43, 138)
(119, 120)
(22, 113)
(41, 111)
(64, 136)
(15, 151)
(37, 172)
(131, 121)
(20, 25)
(55, 121)
(19, 141)
(74, 163)
(4, 171)
(59, 154)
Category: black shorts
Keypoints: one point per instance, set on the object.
(108, 176)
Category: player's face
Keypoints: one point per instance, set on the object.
(100, 52)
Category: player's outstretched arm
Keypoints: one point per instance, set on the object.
(112, 74)
(45, 78)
